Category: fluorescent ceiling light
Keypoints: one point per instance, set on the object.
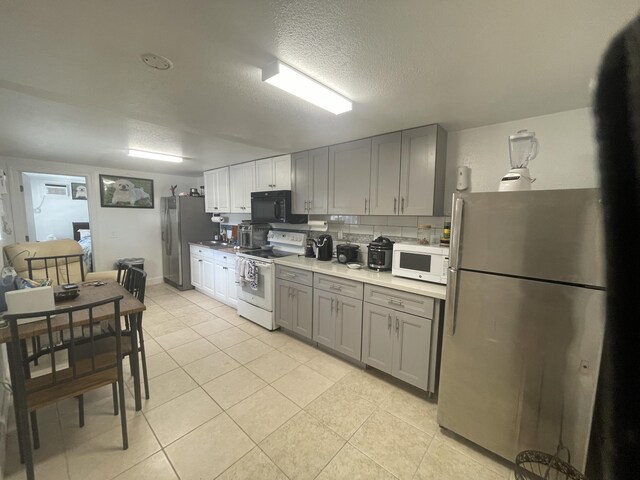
(155, 156)
(298, 84)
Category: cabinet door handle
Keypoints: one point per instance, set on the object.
(288, 274)
(365, 205)
(397, 327)
(402, 205)
(337, 306)
(395, 204)
(332, 305)
(289, 292)
(399, 303)
(389, 322)
(333, 286)
(310, 205)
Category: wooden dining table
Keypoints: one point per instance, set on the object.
(91, 292)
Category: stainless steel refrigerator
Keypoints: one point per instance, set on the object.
(183, 220)
(524, 320)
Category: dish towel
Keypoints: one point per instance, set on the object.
(240, 267)
(251, 274)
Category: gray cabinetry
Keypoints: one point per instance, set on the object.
(384, 188)
(283, 306)
(422, 171)
(337, 317)
(338, 285)
(348, 326)
(377, 340)
(294, 307)
(400, 344)
(309, 181)
(349, 169)
(399, 300)
(411, 349)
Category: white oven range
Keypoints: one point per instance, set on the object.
(258, 305)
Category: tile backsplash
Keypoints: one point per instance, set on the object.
(364, 228)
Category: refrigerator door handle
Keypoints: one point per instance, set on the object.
(451, 301)
(454, 251)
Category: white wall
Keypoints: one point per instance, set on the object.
(116, 232)
(567, 156)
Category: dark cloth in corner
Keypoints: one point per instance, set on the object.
(615, 442)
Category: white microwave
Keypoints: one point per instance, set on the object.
(420, 262)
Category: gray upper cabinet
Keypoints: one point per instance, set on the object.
(309, 181)
(349, 172)
(422, 172)
(384, 189)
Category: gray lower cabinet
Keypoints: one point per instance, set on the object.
(377, 337)
(337, 322)
(397, 343)
(294, 307)
(324, 321)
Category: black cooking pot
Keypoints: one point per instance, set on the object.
(380, 254)
(347, 253)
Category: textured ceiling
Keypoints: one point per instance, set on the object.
(72, 86)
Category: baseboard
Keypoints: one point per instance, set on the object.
(155, 280)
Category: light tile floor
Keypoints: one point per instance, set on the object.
(231, 400)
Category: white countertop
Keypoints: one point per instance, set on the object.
(383, 279)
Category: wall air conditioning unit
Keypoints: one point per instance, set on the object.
(56, 189)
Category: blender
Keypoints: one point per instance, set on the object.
(523, 147)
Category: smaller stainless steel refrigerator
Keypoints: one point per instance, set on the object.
(183, 220)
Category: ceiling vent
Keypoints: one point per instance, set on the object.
(156, 61)
(53, 189)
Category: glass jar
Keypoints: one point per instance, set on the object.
(446, 234)
(424, 233)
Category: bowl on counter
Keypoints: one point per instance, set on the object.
(355, 265)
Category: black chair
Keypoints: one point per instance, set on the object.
(58, 264)
(134, 281)
(82, 375)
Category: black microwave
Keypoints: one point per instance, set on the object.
(273, 206)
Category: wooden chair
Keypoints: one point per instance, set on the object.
(80, 376)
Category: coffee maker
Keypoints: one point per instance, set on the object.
(324, 247)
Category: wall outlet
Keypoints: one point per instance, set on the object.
(340, 234)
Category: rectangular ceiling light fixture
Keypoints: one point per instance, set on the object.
(298, 84)
(155, 156)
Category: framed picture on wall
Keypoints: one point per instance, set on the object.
(78, 191)
(125, 192)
